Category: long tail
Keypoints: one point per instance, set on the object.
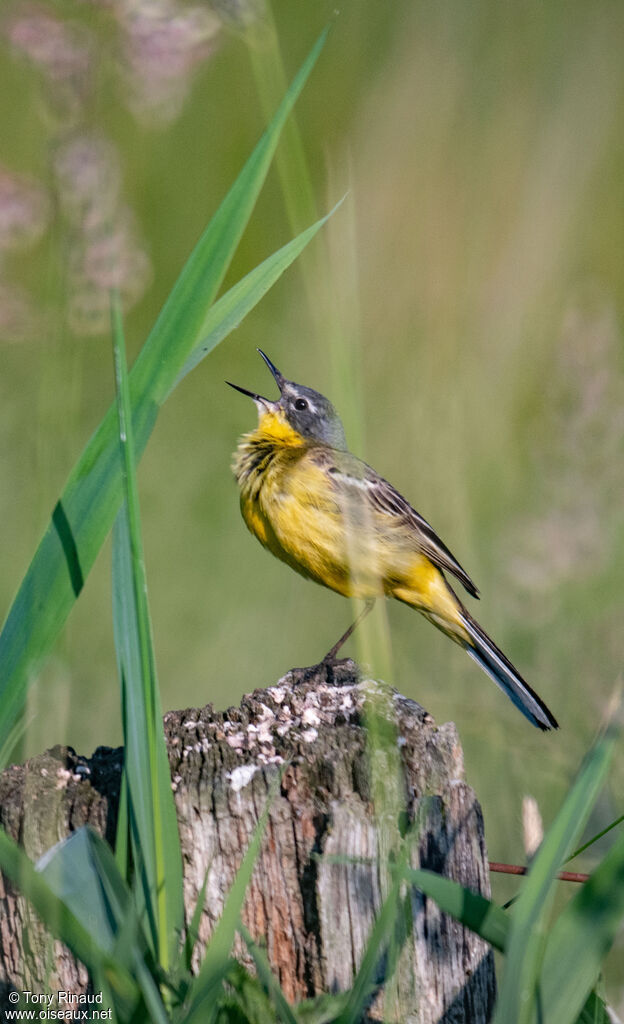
(492, 660)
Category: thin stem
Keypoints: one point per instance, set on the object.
(518, 869)
(595, 838)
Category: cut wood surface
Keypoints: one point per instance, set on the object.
(314, 913)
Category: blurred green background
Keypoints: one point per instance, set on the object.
(463, 310)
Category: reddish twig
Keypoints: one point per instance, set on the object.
(517, 869)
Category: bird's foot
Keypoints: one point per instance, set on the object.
(331, 671)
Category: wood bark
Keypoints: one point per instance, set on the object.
(313, 912)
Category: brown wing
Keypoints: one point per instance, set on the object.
(350, 473)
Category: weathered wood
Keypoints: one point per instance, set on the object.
(314, 915)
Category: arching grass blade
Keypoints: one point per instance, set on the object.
(87, 507)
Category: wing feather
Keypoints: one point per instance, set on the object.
(349, 473)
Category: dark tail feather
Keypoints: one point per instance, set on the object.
(500, 669)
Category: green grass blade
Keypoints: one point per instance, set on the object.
(197, 286)
(130, 945)
(474, 911)
(528, 922)
(122, 835)
(11, 740)
(594, 839)
(89, 886)
(581, 938)
(283, 1009)
(63, 923)
(205, 988)
(155, 840)
(192, 932)
(324, 1009)
(382, 934)
(136, 755)
(82, 872)
(87, 507)
(231, 309)
(150, 992)
(244, 1001)
(594, 1011)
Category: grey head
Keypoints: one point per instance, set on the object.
(305, 410)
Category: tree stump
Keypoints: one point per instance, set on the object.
(314, 914)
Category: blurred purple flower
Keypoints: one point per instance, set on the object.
(88, 179)
(60, 50)
(105, 250)
(163, 43)
(24, 210)
(159, 44)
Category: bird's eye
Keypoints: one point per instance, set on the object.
(301, 404)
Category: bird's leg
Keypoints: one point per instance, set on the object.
(330, 656)
(326, 669)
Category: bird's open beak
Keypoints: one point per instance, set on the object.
(258, 399)
(251, 394)
(279, 377)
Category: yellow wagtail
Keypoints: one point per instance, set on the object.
(335, 520)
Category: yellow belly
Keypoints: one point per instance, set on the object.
(313, 545)
(301, 520)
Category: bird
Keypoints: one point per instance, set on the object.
(335, 520)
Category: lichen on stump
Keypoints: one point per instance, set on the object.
(314, 911)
